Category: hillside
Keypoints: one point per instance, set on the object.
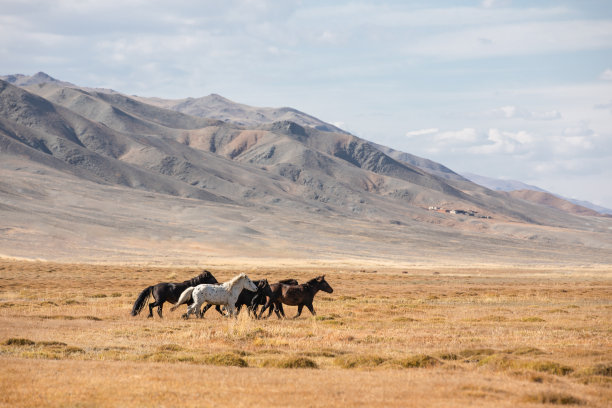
(550, 200)
(94, 174)
(217, 107)
(514, 185)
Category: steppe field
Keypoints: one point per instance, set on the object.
(394, 337)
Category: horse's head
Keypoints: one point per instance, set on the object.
(248, 283)
(263, 288)
(206, 277)
(323, 285)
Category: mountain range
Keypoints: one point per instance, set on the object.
(97, 175)
(546, 198)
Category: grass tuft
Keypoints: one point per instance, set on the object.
(417, 361)
(359, 361)
(169, 347)
(290, 362)
(600, 369)
(556, 398)
(504, 362)
(549, 367)
(226, 359)
(448, 356)
(13, 341)
(526, 350)
(52, 344)
(475, 355)
(532, 319)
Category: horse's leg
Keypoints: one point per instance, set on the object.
(253, 310)
(238, 310)
(159, 309)
(205, 309)
(268, 305)
(279, 310)
(151, 306)
(300, 307)
(193, 308)
(309, 306)
(218, 309)
(232, 310)
(189, 310)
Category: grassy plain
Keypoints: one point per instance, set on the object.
(482, 336)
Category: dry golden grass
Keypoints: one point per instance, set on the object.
(392, 337)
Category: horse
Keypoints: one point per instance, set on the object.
(297, 295)
(225, 294)
(269, 297)
(168, 292)
(252, 299)
(267, 300)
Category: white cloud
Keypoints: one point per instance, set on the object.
(500, 142)
(466, 135)
(495, 3)
(514, 112)
(517, 39)
(422, 132)
(606, 75)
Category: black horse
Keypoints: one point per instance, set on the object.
(253, 299)
(168, 292)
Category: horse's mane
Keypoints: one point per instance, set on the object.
(196, 280)
(312, 281)
(230, 283)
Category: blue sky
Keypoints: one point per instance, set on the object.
(502, 88)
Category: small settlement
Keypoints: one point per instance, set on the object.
(470, 213)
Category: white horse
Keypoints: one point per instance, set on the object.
(224, 294)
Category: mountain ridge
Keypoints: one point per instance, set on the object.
(233, 188)
(515, 185)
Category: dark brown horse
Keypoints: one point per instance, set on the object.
(248, 298)
(264, 296)
(296, 295)
(168, 292)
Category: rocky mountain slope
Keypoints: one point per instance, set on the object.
(562, 203)
(143, 175)
(550, 200)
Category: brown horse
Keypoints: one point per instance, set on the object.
(297, 295)
(270, 297)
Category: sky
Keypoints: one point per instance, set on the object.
(501, 88)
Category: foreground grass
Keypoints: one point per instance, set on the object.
(451, 337)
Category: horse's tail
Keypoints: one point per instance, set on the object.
(141, 300)
(185, 296)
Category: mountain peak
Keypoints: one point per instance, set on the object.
(43, 77)
(36, 79)
(287, 126)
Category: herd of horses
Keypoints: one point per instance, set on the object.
(239, 291)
